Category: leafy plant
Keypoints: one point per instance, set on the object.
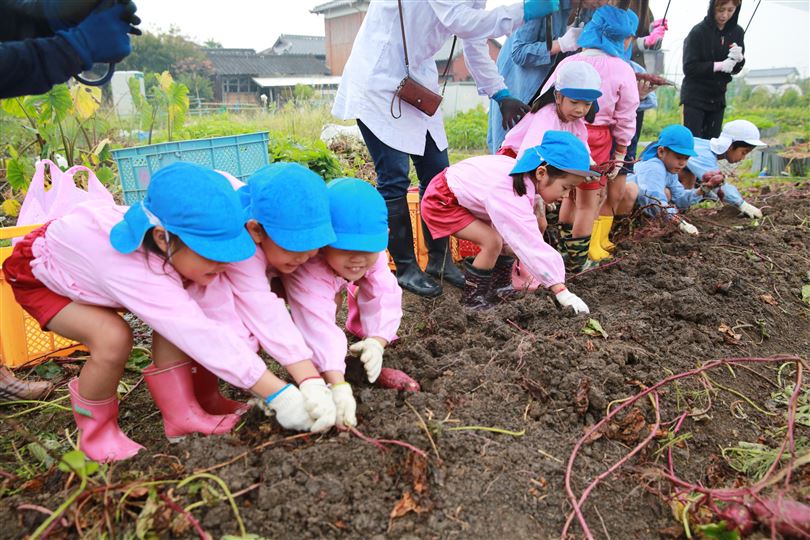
(467, 130)
(167, 97)
(313, 154)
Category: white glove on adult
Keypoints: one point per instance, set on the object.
(736, 53)
(345, 404)
(318, 403)
(616, 168)
(750, 210)
(568, 41)
(371, 354)
(568, 299)
(687, 228)
(289, 409)
(726, 66)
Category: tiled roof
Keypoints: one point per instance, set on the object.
(247, 62)
(771, 72)
(295, 44)
(322, 8)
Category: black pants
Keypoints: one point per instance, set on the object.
(703, 124)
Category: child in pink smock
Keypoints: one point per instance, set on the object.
(605, 41)
(489, 200)
(566, 100)
(355, 261)
(75, 272)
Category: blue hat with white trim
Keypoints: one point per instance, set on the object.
(359, 215)
(578, 80)
(291, 203)
(195, 203)
(674, 137)
(559, 149)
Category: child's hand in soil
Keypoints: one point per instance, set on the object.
(288, 406)
(568, 299)
(318, 403)
(371, 352)
(687, 228)
(345, 405)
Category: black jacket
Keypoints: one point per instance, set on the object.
(706, 44)
(32, 58)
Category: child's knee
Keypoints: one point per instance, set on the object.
(112, 341)
(493, 242)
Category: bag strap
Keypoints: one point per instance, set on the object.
(405, 48)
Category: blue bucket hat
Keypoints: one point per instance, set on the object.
(607, 30)
(359, 216)
(291, 203)
(559, 149)
(195, 203)
(676, 138)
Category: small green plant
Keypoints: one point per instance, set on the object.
(468, 130)
(313, 154)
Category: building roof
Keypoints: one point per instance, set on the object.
(772, 72)
(248, 62)
(297, 44)
(336, 4)
(274, 82)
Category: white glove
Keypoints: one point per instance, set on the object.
(371, 354)
(687, 228)
(736, 53)
(345, 404)
(289, 409)
(616, 168)
(318, 403)
(568, 41)
(568, 299)
(726, 66)
(750, 210)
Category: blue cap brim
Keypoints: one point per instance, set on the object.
(303, 240)
(578, 172)
(681, 150)
(127, 235)
(581, 94)
(372, 243)
(225, 251)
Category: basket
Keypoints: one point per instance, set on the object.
(239, 155)
(22, 342)
(419, 246)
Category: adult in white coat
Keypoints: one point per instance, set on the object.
(371, 76)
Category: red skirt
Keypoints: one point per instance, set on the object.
(600, 141)
(441, 211)
(42, 303)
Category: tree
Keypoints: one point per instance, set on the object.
(211, 43)
(166, 51)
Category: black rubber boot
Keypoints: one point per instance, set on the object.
(440, 260)
(576, 254)
(476, 288)
(500, 288)
(400, 246)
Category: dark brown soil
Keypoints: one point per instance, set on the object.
(517, 368)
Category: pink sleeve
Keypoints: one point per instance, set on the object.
(513, 217)
(534, 132)
(624, 115)
(514, 137)
(160, 301)
(379, 300)
(311, 292)
(219, 304)
(264, 313)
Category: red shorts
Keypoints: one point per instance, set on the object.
(600, 141)
(504, 151)
(42, 303)
(440, 209)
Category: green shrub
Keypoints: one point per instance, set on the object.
(311, 153)
(468, 130)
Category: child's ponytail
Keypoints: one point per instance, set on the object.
(519, 184)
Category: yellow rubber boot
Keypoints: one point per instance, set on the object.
(604, 240)
(595, 251)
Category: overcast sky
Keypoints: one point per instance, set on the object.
(779, 35)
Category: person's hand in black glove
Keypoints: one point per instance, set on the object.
(103, 36)
(512, 110)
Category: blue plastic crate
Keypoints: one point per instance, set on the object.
(239, 155)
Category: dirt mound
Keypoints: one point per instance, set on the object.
(669, 303)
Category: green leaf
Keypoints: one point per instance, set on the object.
(73, 461)
(146, 519)
(717, 531)
(593, 328)
(105, 175)
(40, 454)
(49, 370)
(18, 173)
(139, 358)
(56, 104)
(806, 294)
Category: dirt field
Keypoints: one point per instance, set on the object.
(668, 304)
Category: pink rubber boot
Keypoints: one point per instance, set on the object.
(100, 438)
(173, 392)
(206, 388)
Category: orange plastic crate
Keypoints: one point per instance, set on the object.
(21, 340)
(419, 246)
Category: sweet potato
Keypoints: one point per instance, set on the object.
(738, 517)
(399, 380)
(655, 80)
(790, 518)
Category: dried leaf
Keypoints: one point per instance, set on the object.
(589, 346)
(768, 299)
(628, 428)
(593, 328)
(731, 337)
(404, 505)
(418, 470)
(86, 100)
(11, 207)
(581, 397)
(806, 294)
